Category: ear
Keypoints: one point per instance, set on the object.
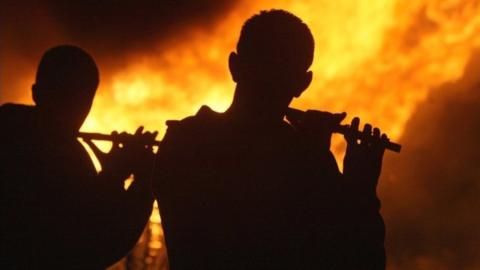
(35, 93)
(233, 65)
(307, 79)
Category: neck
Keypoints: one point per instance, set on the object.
(247, 108)
(54, 126)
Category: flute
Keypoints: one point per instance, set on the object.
(108, 137)
(344, 129)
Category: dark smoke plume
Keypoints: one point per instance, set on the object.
(431, 191)
(109, 29)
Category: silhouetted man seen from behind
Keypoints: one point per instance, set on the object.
(245, 190)
(57, 212)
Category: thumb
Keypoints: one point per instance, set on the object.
(337, 118)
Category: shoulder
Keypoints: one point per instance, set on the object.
(203, 116)
(13, 116)
(204, 120)
(12, 109)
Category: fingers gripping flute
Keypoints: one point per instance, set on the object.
(108, 137)
(344, 129)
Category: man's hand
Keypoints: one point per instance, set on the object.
(318, 126)
(113, 162)
(128, 154)
(363, 159)
(140, 154)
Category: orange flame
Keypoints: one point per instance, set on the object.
(373, 59)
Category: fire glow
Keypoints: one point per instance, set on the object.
(374, 59)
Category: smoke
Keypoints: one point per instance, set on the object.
(113, 27)
(431, 190)
(110, 30)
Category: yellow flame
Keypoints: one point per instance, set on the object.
(373, 59)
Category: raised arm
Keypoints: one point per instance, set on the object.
(362, 167)
(124, 212)
(352, 210)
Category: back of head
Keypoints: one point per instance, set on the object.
(66, 82)
(274, 53)
(276, 37)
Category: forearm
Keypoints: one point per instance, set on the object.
(366, 232)
(119, 219)
(361, 192)
(137, 207)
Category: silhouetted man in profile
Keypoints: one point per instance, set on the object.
(57, 212)
(245, 190)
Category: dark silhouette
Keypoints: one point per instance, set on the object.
(245, 190)
(57, 212)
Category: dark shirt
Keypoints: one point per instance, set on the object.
(57, 212)
(239, 195)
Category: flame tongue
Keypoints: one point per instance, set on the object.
(374, 59)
